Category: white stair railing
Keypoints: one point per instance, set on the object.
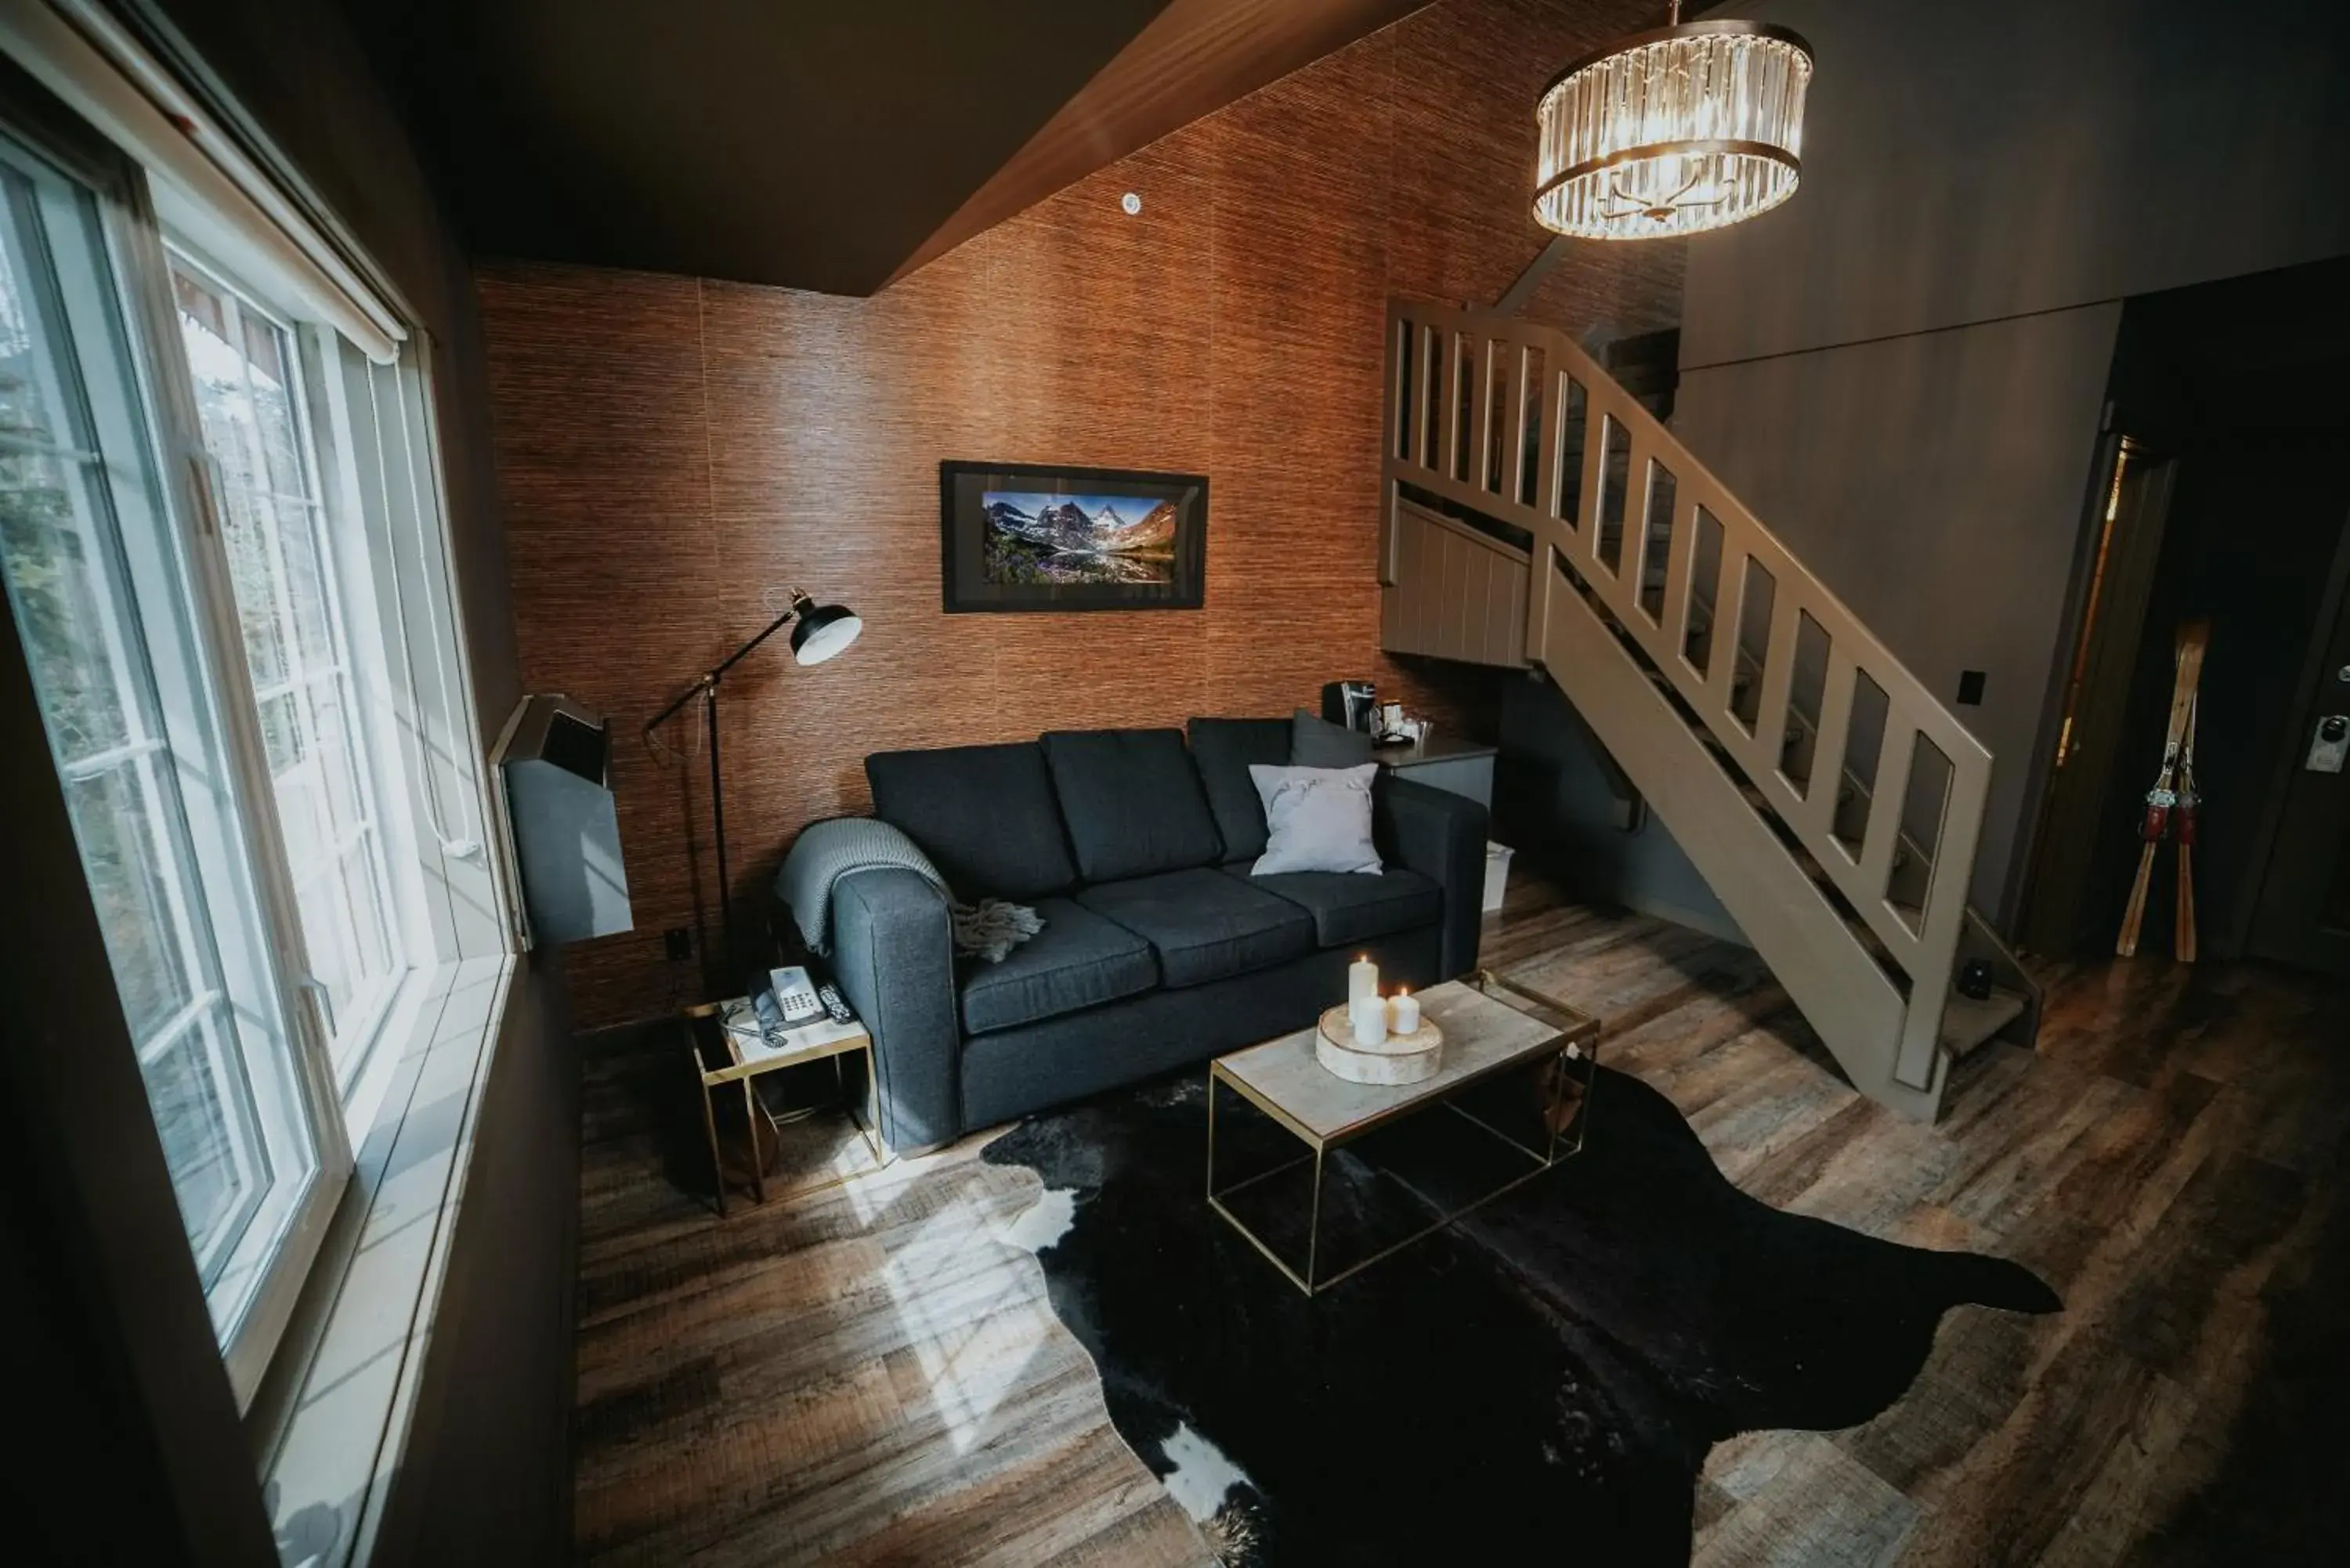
(1515, 423)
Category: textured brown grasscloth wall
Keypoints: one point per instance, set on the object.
(669, 449)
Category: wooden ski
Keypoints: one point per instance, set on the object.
(2194, 635)
(2182, 827)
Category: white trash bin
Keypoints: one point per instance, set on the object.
(1497, 873)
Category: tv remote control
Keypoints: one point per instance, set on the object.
(829, 994)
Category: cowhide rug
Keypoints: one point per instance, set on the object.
(1541, 1380)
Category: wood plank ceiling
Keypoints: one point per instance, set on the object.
(833, 147)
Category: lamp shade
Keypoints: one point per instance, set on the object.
(1686, 128)
(823, 630)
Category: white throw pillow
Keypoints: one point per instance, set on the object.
(1320, 819)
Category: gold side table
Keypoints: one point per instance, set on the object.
(718, 1062)
(1491, 1027)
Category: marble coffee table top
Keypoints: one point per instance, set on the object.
(1481, 1035)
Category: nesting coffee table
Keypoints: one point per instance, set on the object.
(1511, 1099)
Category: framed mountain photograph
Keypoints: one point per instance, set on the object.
(1034, 537)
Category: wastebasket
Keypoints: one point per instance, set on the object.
(1497, 873)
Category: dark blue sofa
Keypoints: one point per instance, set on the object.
(1158, 948)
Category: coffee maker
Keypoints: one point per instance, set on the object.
(1354, 704)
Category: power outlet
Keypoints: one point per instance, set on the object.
(678, 942)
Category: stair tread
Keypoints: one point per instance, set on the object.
(1968, 1022)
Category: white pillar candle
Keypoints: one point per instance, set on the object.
(1362, 979)
(1368, 1015)
(1403, 1013)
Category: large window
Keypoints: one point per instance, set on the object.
(297, 649)
(99, 590)
(225, 562)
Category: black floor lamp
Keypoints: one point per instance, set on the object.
(823, 631)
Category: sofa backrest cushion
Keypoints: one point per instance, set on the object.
(1316, 743)
(984, 815)
(1224, 749)
(1132, 802)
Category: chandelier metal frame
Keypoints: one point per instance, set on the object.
(1690, 149)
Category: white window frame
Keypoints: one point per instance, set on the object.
(341, 569)
(380, 478)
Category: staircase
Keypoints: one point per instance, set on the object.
(1538, 514)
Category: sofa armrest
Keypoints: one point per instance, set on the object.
(1440, 835)
(893, 959)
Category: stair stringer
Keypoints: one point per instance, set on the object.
(1856, 1008)
(1504, 420)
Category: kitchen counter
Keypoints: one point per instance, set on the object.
(1463, 767)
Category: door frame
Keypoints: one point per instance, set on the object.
(2117, 559)
(2313, 669)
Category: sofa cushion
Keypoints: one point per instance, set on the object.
(1316, 743)
(984, 815)
(1078, 959)
(1013, 1071)
(1223, 748)
(1205, 924)
(1351, 909)
(1132, 802)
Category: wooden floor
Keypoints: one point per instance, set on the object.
(874, 1376)
(871, 1375)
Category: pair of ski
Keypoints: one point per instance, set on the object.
(2170, 805)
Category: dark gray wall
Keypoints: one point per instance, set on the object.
(1902, 369)
(1935, 483)
(1552, 803)
(1965, 160)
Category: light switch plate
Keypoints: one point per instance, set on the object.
(2330, 746)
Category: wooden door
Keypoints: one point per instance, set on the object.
(2061, 909)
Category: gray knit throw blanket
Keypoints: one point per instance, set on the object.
(825, 852)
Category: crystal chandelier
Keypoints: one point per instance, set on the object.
(1673, 131)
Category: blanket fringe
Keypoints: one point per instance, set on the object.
(993, 927)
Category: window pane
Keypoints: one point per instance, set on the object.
(370, 901)
(248, 396)
(267, 636)
(301, 794)
(326, 928)
(115, 825)
(207, 1148)
(66, 627)
(338, 760)
(93, 581)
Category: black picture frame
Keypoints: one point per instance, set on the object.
(1007, 545)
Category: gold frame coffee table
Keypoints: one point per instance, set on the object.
(1490, 1028)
